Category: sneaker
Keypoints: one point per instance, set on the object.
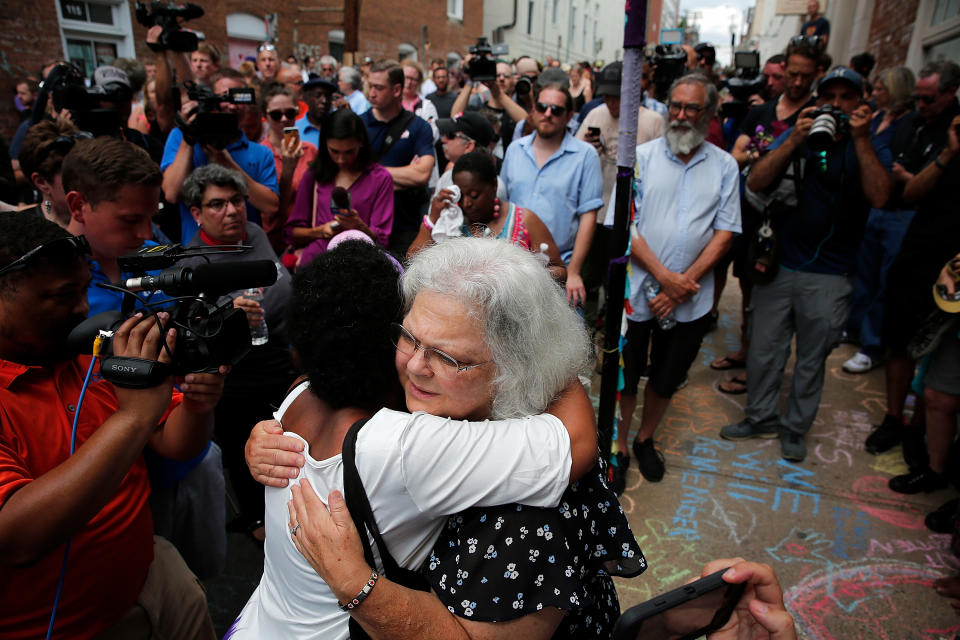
(915, 447)
(618, 473)
(885, 436)
(860, 363)
(793, 447)
(941, 520)
(925, 480)
(744, 431)
(649, 459)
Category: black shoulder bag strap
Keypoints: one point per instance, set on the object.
(396, 129)
(359, 507)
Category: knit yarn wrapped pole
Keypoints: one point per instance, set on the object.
(630, 98)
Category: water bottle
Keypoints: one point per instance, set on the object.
(542, 255)
(651, 288)
(259, 334)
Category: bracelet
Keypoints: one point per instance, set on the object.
(939, 163)
(360, 597)
(426, 222)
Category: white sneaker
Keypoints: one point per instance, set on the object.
(860, 363)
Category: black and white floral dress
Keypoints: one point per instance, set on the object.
(500, 563)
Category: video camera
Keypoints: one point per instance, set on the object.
(169, 16)
(669, 62)
(208, 334)
(65, 85)
(829, 123)
(483, 66)
(746, 81)
(213, 126)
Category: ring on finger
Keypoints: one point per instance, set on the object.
(293, 531)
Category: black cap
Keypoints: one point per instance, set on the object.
(609, 78)
(471, 124)
(316, 80)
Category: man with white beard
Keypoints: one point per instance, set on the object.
(688, 210)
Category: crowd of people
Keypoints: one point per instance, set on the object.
(440, 239)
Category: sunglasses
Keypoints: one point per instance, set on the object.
(543, 107)
(817, 42)
(266, 46)
(58, 251)
(279, 114)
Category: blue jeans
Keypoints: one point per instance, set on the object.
(881, 244)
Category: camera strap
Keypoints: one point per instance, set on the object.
(395, 130)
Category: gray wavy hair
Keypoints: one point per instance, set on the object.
(713, 97)
(197, 182)
(352, 77)
(538, 342)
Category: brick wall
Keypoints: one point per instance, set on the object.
(890, 31)
(30, 33)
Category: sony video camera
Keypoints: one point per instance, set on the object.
(829, 123)
(213, 126)
(746, 81)
(483, 66)
(208, 334)
(169, 16)
(669, 62)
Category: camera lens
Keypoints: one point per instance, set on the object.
(822, 133)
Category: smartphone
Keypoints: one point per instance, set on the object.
(686, 613)
(340, 202)
(290, 133)
(593, 131)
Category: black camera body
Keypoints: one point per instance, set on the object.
(169, 16)
(212, 126)
(829, 123)
(746, 81)
(483, 66)
(65, 86)
(208, 334)
(669, 62)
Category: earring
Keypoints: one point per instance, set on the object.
(47, 207)
(496, 207)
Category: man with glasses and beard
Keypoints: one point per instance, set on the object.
(558, 176)
(688, 210)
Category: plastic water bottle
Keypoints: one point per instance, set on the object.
(259, 334)
(651, 288)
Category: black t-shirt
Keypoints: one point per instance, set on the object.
(818, 27)
(443, 103)
(765, 115)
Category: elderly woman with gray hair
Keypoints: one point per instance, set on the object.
(216, 197)
(351, 86)
(486, 339)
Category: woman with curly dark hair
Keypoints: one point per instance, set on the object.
(344, 159)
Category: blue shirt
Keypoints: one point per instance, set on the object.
(415, 141)
(678, 207)
(308, 132)
(101, 300)
(255, 159)
(358, 103)
(567, 186)
(654, 104)
(824, 234)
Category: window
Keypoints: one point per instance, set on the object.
(556, 4)
(455, 9)
(586, 21)
(96, 32)
(945, 10)
(573, 25)
(530, 17)
(86, 12)
(90, 54)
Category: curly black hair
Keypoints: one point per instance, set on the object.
(20, 233)
(339, 317)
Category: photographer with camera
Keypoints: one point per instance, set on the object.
(75, 527)
(210, 132)
(823, 176)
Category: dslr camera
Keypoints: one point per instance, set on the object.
(212, 126)
(483, 66)
(829, 123)
(169, 16)
(208, 334)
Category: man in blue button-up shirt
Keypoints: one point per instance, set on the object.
(558, 178)
(688, 210)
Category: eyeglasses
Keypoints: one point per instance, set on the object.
(924, 99)
(63, 144)
(219, 205)
(691, 109)
(408, 345)
(817, 42)
(266, 46)
(59, 251)
(279, 114)
(543, 107)
(504, 75)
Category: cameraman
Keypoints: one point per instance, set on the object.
(503, 101)
(183, 154)
(119, 579)
(828, 196)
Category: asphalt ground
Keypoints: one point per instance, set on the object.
(854, 559)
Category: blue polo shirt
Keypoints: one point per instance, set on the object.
(567, 186)
(416, 140)
(824, 235)
(101, 300)
(255, 159)
(308, 132)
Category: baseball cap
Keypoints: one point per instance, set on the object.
(471, 124)
(554, 75)
(107, 75)
(316, 80)
(608, 80)
(842, 74)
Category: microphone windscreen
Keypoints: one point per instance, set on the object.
(341, 198)
(223, 277)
